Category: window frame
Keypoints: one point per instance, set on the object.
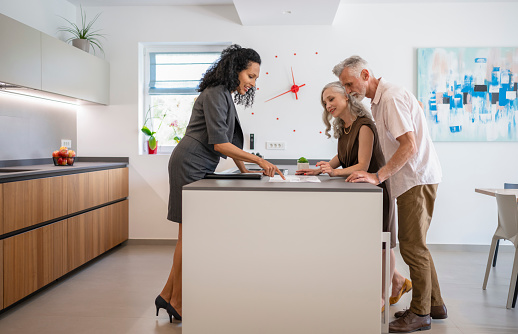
(145, 75)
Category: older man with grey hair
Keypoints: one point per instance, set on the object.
(415, 172)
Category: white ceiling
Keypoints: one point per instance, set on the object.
(286, 12)
(268, 12)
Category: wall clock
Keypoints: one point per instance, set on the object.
(294, 88)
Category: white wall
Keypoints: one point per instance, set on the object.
(385, 35)
(43, 15)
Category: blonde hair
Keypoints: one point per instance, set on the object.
(356, 108)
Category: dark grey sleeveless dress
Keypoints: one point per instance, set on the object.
(214, 120)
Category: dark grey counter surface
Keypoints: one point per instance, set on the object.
(29, 172)
(327, 184)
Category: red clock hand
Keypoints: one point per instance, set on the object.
(295, 89)
(278, 95)
(292, 76)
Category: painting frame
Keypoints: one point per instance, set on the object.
(469, 94)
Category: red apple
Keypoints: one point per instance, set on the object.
(63, 153)
(64, 162)
(55, 154)
(60, 161)
(70, 161)
(71, 154)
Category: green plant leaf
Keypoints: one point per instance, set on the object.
(146, 130)
(302, 160)
(85, 31)
(152, 142)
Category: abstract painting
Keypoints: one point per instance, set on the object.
(469, 94)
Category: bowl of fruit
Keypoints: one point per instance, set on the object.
(63, 157)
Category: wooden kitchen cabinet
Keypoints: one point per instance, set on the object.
(33, 259)
(1, 274)
(85, 214)
(31, 202)
(20, 53)
(87, 190)
(1, 213)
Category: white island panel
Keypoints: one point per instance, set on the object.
(271, 262)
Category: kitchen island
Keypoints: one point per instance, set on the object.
(262, 257)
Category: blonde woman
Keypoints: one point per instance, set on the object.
(358, 150)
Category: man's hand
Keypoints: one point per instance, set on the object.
(362, 176)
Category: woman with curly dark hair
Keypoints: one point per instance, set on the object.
(214, 131)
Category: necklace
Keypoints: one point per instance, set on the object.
(350, 127)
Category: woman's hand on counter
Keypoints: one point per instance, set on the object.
(238, 154)
(270, 169)
(309, 171)
(327, 168)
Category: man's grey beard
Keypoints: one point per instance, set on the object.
(358, 96)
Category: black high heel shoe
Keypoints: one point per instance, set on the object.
(160, 303)
(172, 313)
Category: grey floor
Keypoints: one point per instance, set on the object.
(115, 294)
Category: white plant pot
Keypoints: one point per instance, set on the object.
(82, 44)
(302, 165)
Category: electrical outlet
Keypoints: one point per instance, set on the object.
(275, 145)
(66, 143)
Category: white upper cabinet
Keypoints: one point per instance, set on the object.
(69, 71)
(32, 59)
(20, 56)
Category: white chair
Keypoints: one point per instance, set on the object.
(506, 186)
(507, 229)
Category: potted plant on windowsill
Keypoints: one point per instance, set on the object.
(83, 36)
(152, 143)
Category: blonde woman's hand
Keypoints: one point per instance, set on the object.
(308, 171)
(326, 168)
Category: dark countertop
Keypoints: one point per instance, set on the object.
(35, 171)
(327, 184)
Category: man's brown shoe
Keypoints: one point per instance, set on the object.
(436, 312)
(410, 322)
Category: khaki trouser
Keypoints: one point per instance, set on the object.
(415, 209)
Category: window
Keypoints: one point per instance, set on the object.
(170, 87)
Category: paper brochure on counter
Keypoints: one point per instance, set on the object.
(295, 178)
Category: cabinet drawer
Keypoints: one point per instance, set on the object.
(33, 260)
(32, 202)
(119, 187)
(93, 233)
(87, 190)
